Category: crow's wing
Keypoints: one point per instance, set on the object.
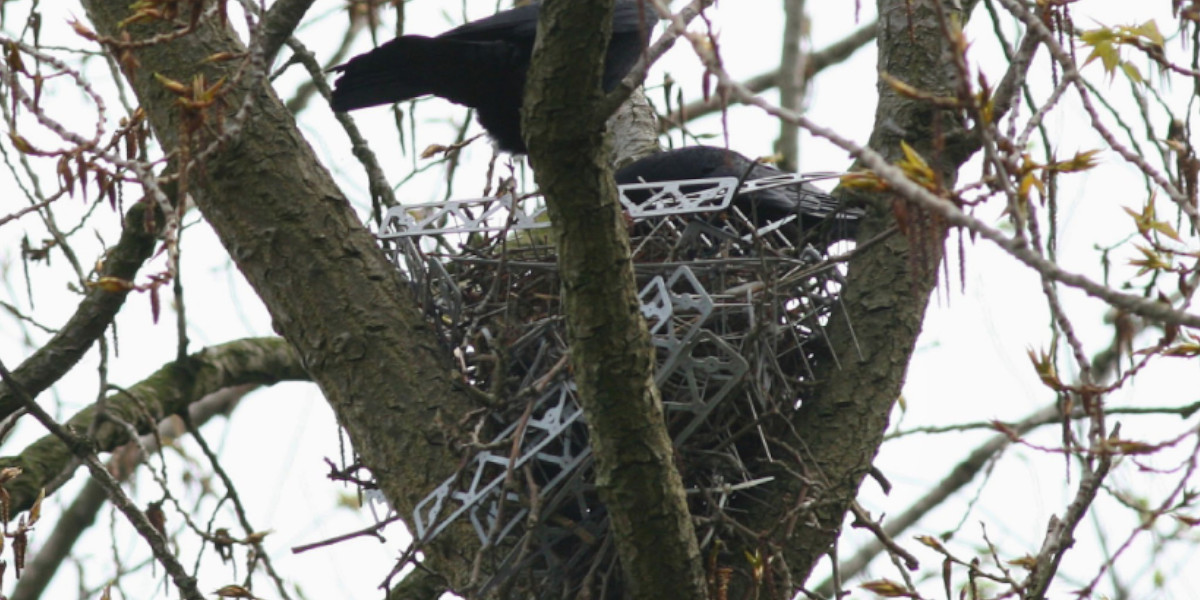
(481, 64)
(777, 202)
(469, 73)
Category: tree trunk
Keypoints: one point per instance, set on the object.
(611, 356)
(329, 288)
(841, 424)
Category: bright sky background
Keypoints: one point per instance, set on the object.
(970, 364)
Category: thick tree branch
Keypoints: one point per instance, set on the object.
(611, 356)
(81, 448)
(888, 286)
(329, 288)
(278, 24)
(887, 289)
(169, 391)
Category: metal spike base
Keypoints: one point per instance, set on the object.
(736, 314)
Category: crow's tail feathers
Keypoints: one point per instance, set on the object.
(412, 66)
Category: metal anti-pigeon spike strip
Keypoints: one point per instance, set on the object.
(573, 455)
(485, 518)
(675, 308)
(517, 516)
(407, 258)
(715, 235)
(768, 229)
(727, 368)
(656, 306)
(547, 536)
(425, 515)
(484, 510)
(733, 308)
(688, 294)
(785, 179)
(480, 489)
(484, 524)
(499, 214)
(433, 505)
(458, 216)
(669, 197)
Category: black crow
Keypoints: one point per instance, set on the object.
(813, 206)
(481, 65)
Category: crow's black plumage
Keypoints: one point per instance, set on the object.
(481, 65)
(814, 207)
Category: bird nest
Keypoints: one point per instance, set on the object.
(736, 312)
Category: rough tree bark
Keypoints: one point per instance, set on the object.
(329, 288)
(611, 356)
(48, 462)
(888, 288)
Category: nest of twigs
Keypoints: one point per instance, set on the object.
(736, 312)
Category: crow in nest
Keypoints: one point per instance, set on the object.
(813, 207)
(481, 65)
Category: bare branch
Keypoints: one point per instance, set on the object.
(168, 391)
(278, 24)
(82, 449)
(81, 513)
(817, 61)
(95, 312)
(793, 77)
